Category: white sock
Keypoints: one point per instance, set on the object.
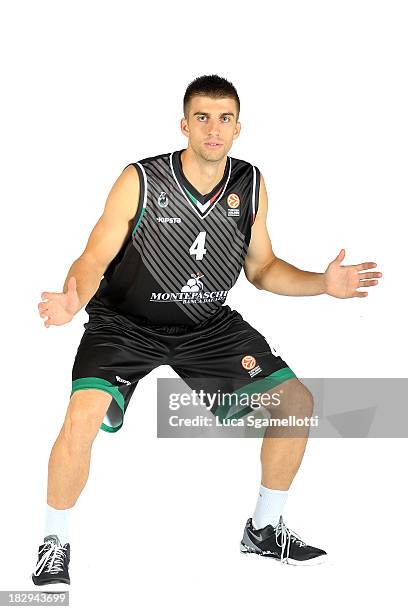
(269, 507)
(57, 523)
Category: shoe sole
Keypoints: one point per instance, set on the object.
(52, 586)
(315, 561)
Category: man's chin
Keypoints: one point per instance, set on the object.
(216, 155)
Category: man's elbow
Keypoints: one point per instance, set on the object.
(257, 281)
(256, 275)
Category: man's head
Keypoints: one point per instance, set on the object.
(211, 110)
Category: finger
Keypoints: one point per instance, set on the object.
(366, 266)
(360, 294)
(46, 295)
(368, 283)
(369, 275)
(42, 306)
(340, 256)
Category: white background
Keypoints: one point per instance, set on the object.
(90, 87)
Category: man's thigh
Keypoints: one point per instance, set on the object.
(113, 358)
(230, 358)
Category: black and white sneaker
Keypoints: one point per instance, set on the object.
(53, 561)
(280, 543)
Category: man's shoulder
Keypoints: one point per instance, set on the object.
(153, 158)
(242, 162)
(147, 161)
(244, 165)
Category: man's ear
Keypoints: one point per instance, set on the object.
(237, 130)
(184, 127)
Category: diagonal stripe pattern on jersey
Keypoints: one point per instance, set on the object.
(184, 253)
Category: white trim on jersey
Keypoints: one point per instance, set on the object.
(145, 184)
(202, 207)
(253, 193)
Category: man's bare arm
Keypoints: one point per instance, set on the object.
(108, 235)
(104, 242)
(266, 271)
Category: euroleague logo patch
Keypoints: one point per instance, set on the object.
(233, 203)
(248, 362)
(233, 200)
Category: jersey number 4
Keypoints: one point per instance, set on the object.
(197, 248)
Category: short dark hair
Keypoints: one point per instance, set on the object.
(210, 85)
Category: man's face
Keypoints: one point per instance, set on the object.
(211, 126)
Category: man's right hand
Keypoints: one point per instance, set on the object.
(60, 308)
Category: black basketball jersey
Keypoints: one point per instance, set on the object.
(185, 250)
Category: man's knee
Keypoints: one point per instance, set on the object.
(307, 403)
(292, 398)
(85, 413)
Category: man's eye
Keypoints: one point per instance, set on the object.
(226, 118)
(200, 117)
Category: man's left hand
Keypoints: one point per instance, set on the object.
(343, 281)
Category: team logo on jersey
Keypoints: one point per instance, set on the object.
(193, 284)
(162, 200)
(248, 362)
(233, 203)
(191, 293)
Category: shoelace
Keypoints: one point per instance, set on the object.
(286, 536)
(52, 560)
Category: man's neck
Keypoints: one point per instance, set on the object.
(203, 174)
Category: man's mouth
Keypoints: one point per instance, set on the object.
(213, 145)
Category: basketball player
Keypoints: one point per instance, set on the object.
(176, 230)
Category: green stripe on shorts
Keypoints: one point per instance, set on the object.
(92, 382)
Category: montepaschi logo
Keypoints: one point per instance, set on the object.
(193, 284)
(192, 292)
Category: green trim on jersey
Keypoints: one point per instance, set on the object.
(190, 195)
(257, 386)
(194, 199)
(92, 382)
(138, 221)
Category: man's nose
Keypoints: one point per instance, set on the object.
(213, 127)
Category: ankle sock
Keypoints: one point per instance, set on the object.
(57, 523)
(269, 507)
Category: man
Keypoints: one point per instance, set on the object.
(175, 232)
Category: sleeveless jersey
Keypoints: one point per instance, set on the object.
(185, 250)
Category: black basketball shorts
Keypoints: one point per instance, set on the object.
(115, 352)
